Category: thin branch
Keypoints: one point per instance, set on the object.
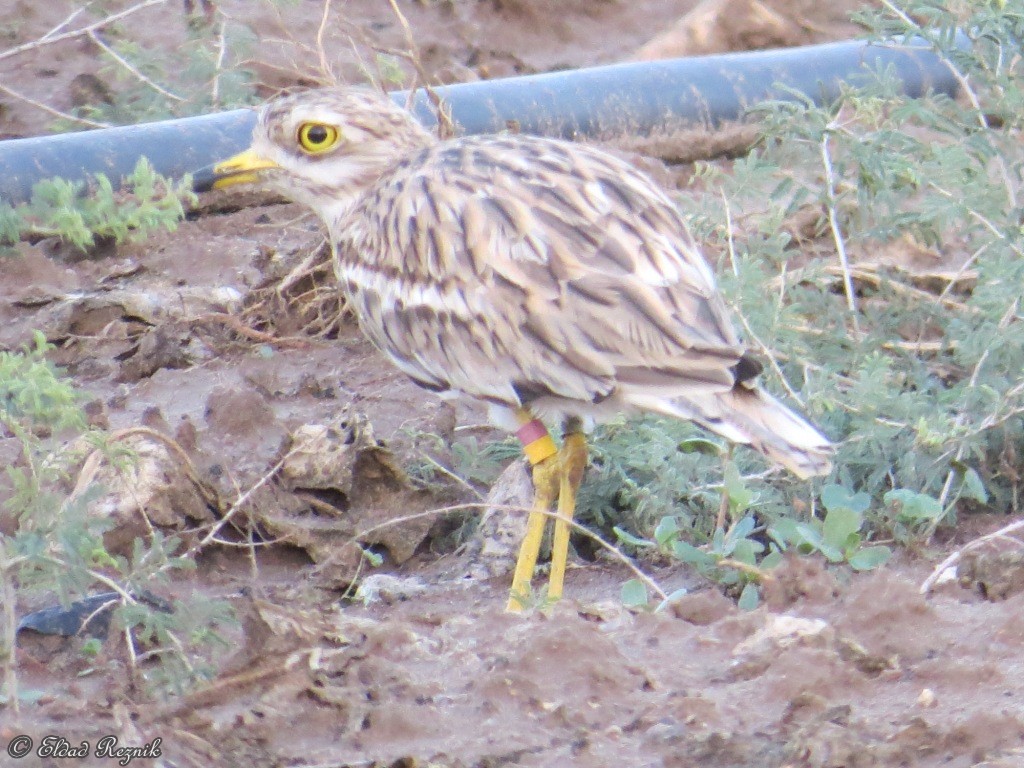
(325, 65)
(50, 110)
(18, 49)
(222, 49)
(448, 473)
(767, 352)
(729, 236)
(837, 233)
(131, 67)
(445, 126)
(239, 502)
(67, 20)
(961, 417)
(980, 218)
(965, 88)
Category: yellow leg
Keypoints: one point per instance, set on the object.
(542, 454)
(573, 461)
(546, 475)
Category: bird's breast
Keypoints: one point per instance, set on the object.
(403, 294)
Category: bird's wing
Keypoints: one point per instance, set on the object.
(512, 268)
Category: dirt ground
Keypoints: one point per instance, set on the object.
(426, 669)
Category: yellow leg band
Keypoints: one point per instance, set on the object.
(540, 449)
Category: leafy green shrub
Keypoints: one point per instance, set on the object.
(148, 83)
(80, 214)
(916, 377)
(57, 546)
(838, 535)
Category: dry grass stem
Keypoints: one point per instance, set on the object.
(127, 65)
(51, 110)
(51, 38)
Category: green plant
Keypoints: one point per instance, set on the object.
(820, 234)
(57, 546)
(139, 83)
(475, 463)
(81, 214)
(838, 536)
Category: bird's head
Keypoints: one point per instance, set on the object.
(322, 148)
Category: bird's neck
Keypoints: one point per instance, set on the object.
(334, 212)
(362, 177)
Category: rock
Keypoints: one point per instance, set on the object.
(781, 631)
(995, 573)
(152, 485)
(495, 546)
(387, 589)
(719, 26)
(353, 489)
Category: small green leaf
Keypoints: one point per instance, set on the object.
(837, 497)
(840, 524)
(771, 560)
(730, 577)
(869, 558)
(783, 532)
(746, 551)
(667, 530)
(634, 594)
(699, 445)
(808, 534)
(743, 528)
(813, 537)
(626, 537)
(750, 598)
(718, 540)
(92, 647)
(373, 558)
(690, 554)
(852, 543)
(973, 487)
(740, 497)
(913, 507)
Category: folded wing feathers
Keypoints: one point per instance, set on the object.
(755, 418)
(584, 290)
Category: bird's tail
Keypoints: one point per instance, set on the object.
(753, 417)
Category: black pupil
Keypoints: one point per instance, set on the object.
(316, 134)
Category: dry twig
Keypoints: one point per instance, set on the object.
(445, 126)
(51, 110)
(132, 69)
(50, 38)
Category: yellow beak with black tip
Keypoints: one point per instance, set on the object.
(243, 168)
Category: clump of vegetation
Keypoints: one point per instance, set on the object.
(57, 551)
(139, 83)
(914, 370)
(83, 214)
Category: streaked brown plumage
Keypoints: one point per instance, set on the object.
(532, 273)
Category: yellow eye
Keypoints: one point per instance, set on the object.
(317, 137)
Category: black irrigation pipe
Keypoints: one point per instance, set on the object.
(633, 98)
